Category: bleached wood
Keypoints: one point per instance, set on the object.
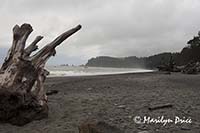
(22, 77)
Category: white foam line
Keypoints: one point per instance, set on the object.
(66, 74)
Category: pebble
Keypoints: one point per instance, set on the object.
(130, 117)
(89, 89)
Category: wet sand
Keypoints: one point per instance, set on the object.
(117, 99)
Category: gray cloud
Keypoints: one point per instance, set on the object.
(113, 27)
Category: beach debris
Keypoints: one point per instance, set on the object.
(22, 76)
(143, 132)
(162, 68)
(169, 67)
(191, 68)
(51, 92)
(122, 106)
(97, 127)
(160, 106)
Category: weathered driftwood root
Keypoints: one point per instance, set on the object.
(22, 75)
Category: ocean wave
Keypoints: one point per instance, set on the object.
(92, 71)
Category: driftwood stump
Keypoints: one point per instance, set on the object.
(22, 75)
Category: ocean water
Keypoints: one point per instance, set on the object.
(57, 71)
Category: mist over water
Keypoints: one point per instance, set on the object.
(57, 71)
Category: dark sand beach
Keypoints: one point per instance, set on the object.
(117, 99)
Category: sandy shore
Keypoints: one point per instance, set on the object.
(117, 99)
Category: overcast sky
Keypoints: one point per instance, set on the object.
(111, 27)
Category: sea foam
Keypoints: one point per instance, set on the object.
(58, 71)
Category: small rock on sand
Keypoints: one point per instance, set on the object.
(89, 89)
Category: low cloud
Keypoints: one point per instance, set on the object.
(113, 27)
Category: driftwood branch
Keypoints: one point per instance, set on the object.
(49, 49)
(32, 47)
(160, 106)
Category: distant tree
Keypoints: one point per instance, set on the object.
(192, 51)
(195, 42)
